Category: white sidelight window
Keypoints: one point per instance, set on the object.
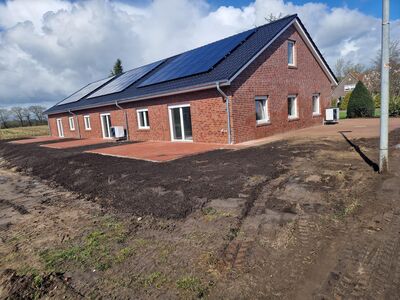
(316, 105)
(60, 128)
(262, 114)
(71, 123)
(86, 120)
(291, 53)
(292, 107)
(143, 118)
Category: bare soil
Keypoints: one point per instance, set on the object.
(294, 219)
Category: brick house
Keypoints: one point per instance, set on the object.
(346, 85)
(251, 85)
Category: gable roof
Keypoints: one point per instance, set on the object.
(223, 72)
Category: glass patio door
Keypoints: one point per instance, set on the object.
(181, 123)
(106, 125)
(60, 128)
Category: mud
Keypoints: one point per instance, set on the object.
(290, 220)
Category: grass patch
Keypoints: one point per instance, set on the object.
(98, 250)
(155, 279)
(344, 211)
(23, 132)
(193, 285)
(210, 213)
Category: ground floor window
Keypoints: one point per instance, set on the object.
(262, 115)
(71, 123)
(60, 128)
(143, 118)
(292, 107)
(87, 122)
(315, 104)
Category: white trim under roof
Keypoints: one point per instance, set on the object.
(308, 43)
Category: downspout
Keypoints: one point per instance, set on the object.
(126, 119)
(228, 111)
(77, 123)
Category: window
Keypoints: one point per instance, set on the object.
(349, 87)
(71, 123)
(292, 107)
(262, 115)
(315, 104)
(291, 54)
(143, 118)
(87, 122)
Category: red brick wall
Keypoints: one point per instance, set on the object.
(207, 112)
(269, 75)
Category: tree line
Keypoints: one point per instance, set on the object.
(22, 116)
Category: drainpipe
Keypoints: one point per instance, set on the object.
(126, 119)
(228, 111)
(77, 123)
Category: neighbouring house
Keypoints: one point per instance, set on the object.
(346, 85)
(251, 85)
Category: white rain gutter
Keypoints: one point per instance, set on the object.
(228, 111)
(77, 123)
(126, 119)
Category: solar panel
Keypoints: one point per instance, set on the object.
(198, 60)
(85, 91)
(126, 79)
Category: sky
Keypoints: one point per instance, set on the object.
(51, 48)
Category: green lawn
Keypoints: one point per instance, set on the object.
(343, 113)
(21, 132)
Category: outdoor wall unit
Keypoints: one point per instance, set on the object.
(332, 115)
(118, 132)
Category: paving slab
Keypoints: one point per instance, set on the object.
(158, 151)
(352, 128)
(76, 143)
(36, 139)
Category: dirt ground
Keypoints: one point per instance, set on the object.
(296, 219)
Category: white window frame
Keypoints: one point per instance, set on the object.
(293, 53)
(146, 120)
(267, 119)
(184, 139)
(296, 115)
(71, 121)
(316, 113)
(102, 126)
(86, 120)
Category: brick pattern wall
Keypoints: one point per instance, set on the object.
(207, 113)
(269, 75)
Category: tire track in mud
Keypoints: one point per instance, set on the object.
(369, 265)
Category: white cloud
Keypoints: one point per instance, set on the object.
(50, 48)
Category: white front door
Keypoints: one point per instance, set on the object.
(60, 128)
(106, 125)
(180, 123)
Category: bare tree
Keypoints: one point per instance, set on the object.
(271, 17)
(37, 111)
(4, 117)
(18, 113)
(343, 67)
(372, 76)
(26, 113)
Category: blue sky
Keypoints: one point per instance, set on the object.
(51, 48)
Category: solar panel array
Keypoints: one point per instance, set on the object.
(125, 80)
(85, 91)
(198, 60)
